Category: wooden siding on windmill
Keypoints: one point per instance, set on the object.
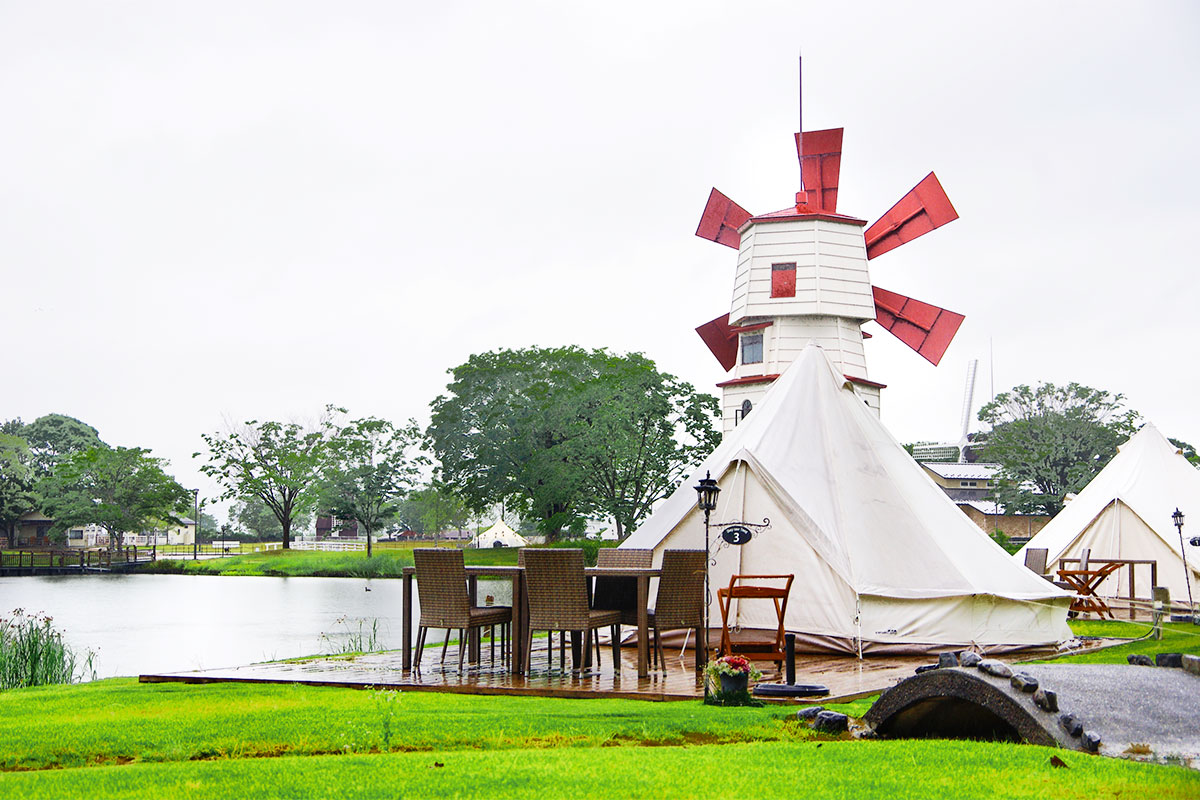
(831, 271)
(840, 338)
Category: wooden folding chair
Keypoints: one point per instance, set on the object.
(739, 589)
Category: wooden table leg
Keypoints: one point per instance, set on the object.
(643, 600)
(406, 616)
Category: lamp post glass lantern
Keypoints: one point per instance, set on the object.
(706, 500)
(1177, 518)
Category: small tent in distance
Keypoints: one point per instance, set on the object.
(1125, 513)
(499, 535)
(884, 561)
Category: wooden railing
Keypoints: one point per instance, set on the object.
(305, 544)
(75, 559)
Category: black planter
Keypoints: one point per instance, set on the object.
(731, 684)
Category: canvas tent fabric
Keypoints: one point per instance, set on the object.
(499, 535)
(1125, 512)
(884, 561)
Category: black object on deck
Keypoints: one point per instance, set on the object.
(791, 688)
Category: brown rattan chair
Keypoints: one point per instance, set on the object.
(680, 599)
(558, 601)
(445, 602)
(620, 592)
(1035, 559)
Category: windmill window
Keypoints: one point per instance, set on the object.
(783, 280)
(752, 348)
(743, 412)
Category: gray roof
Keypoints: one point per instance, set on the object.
(975, 472)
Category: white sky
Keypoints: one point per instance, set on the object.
(215, 210)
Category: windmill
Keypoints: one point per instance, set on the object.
(802, 276)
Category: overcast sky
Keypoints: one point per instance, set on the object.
(231, 210)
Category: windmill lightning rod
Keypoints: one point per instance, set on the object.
(800, 106)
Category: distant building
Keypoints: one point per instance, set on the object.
(32, 530)
(334, 528)
(970, 487)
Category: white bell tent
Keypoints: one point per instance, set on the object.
(1125, 513)
(884, 561)
(499, 535)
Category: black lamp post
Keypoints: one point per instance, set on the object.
(1187, 574)
(706, 500)
(195, 524)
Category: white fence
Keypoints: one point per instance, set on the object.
(303, 544)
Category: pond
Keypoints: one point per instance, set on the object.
(164, 623)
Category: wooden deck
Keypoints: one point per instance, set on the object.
(846, 677)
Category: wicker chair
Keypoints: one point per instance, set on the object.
(1035, 559)
(558, 601)
(445, 603)
(680, 600)
(617, 592)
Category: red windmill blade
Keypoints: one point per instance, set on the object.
(721, 219)
(925, 208)
(925, 328)
(721, 340)
(820, 154)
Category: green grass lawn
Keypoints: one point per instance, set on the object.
(118, 738)
(1177, 638)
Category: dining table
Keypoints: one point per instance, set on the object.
(520, 603)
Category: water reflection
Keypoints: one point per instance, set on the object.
(163, 623)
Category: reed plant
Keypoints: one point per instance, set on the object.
(33, 653)
(350, 639)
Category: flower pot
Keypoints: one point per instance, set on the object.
(731, 684)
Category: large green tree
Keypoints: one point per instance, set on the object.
(638, 430)
(53, 437)
(17, 479)
(280, 464)
(123, 490)
(372, 466)
(1051, 441)
(565, 433)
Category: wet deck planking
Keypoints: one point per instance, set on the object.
(846, 677)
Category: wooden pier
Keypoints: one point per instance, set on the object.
(73, 562)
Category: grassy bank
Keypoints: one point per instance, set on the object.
(118, 738)
(384, 563)
(387, 561)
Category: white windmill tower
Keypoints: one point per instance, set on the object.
(802, 277)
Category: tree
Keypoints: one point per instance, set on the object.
(123, 490)
(255, 519)
(371, 470)
(55, 436)
(278, 463)
(1187, 451)
(640, 430)
(17, 480)
(1050, 441)
(563, 433)
(431, 509)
